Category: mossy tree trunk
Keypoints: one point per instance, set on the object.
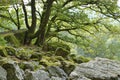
(31, 29)
(41, 33)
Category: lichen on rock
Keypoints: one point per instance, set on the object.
(97, 69)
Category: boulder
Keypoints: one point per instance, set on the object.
(57, 78)
(36, 56)
(23, 54)
(3, 74)
(29, 65)
(26, 65)
(62, 52)
(57, 73)
(13, 71)
(97, 69)
(37, 75)
(52, 46)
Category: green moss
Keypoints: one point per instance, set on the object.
(62, 52)
(49, 61)
(67, 65)
(79, 59)
(84, 59)
(24, 54)
(12, 40)
(36, 56)
(11, 51)
(3, 51)
(54, 45)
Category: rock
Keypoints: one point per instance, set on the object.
(57, 78)
(54, 45)
(62, 52)
(3, 74)
(37, 75)
(49, 61)
(36, 56)
(98, 69)
(29, 65)
(26, 65)
(75, 76)
(68, 66)
(56, 72)
(23, 54)
(13, 71)
(79, 59)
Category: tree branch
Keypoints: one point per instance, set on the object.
(25, 15)
(17, 14)
(68, 1)
(68, 29)
(33, 11)
(1, 26)
(8, 18)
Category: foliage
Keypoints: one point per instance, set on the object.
(2, 41)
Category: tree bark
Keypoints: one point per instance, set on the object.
(41, 33)
(31, 29)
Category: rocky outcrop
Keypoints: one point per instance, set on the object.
(98, 69)
(13, 71)
(37, 75)
(57, 73)
(3, 74)
(27, 64)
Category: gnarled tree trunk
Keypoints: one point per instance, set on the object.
(41, 33)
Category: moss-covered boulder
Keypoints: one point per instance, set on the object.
(49, 61)
(13, 71)
(54, 45)
(29, 65)
(37, 75)
(23, 54)
(79, 59)
(68, 66)
(56, 73)
(36, 56)
(62, 52)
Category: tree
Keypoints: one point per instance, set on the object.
(50, 18)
